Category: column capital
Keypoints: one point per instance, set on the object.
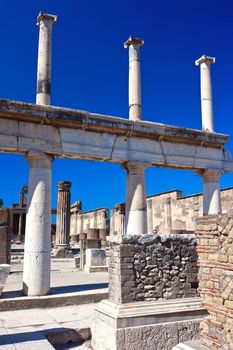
(64, 185)
(38, 159)
(46, 17)
(131, 165)
(133, 41)
(210, 175)
(205, 59)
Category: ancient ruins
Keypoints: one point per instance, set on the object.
(155, 301)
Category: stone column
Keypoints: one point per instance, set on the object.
(45, 22)
(19, 238)
(149, 216)
(62, 244)
(206, 92)
(211, 192)
(136, 211)
(133, 44)
(37, 248)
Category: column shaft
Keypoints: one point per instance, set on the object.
(206, 93)
(45, 22)
(149, 215)
(136, 210)
(63, 214)
(133, 44)
(211, 192)
(37, 249)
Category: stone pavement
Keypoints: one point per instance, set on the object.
(27, 321)
(28, 329)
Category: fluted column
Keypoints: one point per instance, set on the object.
(63, 214)
(37, 248)
(133, 44)
(136, 209)
(211, 192)
(206, 92)
(45, 21)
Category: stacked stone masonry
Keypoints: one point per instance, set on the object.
(152, 267)
(215, 258)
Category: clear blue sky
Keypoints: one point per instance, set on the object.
(90, 72)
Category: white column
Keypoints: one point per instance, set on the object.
(206, 92)
(133, 44)
(37, 249)
(136, 211)
(45, 22)
(211, 192)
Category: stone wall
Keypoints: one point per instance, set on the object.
(152, 267)
(215, 257)
(5, 237)
(81, 222)
(170, 212)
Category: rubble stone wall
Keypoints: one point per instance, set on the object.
(215, 258)
(152, 267)
(5, 237)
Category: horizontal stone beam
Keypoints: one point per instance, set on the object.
(68, 133)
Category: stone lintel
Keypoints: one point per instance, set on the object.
(205, 59)
(132, 40)
(46, 17)
(150, 312)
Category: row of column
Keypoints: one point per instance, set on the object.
(36, 274)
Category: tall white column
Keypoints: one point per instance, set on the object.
(211, 192)
(206, 92)
(133, 44)
(136, 210)
(37, 249)
(45, 21)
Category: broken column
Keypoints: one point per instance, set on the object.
(62, 245)
(211, 192)
(206, 92)
(136, 208)
(45, 21)
(74, 222)
(133, 44)
(22, 204)
(37, 248)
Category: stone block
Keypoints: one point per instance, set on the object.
(4, 272)
(95, 260)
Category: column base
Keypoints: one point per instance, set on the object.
(62, 252)
(149, 325)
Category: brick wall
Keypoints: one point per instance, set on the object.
(5, 237)
(152, 267)
(215, 258)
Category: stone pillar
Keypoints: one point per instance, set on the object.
(45, 22)
(37, 248)
(19, 238)
(136, 211)
(149, 216)
(133, 44)
(206, 92)
(211, 192)
(62, 244)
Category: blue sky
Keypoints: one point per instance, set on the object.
(90, 72)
